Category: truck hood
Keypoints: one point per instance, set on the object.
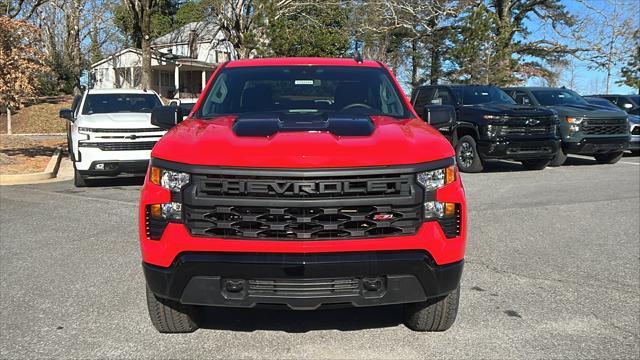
(508, 109)
(116, 121)
(590, 111)
(214, 143)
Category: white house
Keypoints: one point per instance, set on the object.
(182, 62)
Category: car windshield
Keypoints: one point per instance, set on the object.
(117, 103)
(558, 97)
(474, 95)
(635, 99)
(303, 89)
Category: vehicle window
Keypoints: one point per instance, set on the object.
(558, 97)
(303, 89)
(473, 95)
(422, 99)
(522, 98)
(114, 103)
(625, 103)
(186, 108)
(443, 97)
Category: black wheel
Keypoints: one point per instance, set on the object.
(467, 155)
(559, 158)
(169, 316)
(535, 164)
(78, 179)
(609, 158)
(434, 314)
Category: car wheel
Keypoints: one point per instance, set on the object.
(535, 164)
(467, 155)
(78, 179)
(609, 158)
(169, 316)
(559, 158)
(434, 314)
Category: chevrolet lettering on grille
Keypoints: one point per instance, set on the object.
(293, 188)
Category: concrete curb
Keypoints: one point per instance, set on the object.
(49, 172)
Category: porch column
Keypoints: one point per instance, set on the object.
(131, 84)
(204, 79)
(176, 79)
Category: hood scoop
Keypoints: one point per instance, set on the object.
(269, 125)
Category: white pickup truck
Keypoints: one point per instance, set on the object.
(111, 133)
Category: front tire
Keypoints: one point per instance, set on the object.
(467, 155)
(78, 179)
(535, 164)
(558, 159)
(609, 158)
(434, 314)
(169, 316)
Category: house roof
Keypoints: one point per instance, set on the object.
(206, 32)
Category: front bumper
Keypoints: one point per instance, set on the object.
(303, 281)
(518, 149)
(116, 168)
(589, 146)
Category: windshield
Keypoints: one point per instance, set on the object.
(635, 99)
(474, 95)
(115, 103)
(558, 97)
(303, 89)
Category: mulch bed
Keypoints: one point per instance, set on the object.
(38, 117)
(23, 155)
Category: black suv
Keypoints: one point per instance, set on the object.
(490, 125)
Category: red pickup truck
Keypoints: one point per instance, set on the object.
(305, 183)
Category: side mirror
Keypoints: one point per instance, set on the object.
(439, 115)
(175, 103)
(166, 117)
(66, 114)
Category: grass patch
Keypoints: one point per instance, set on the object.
(41, 118)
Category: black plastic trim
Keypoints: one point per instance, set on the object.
(197, 278)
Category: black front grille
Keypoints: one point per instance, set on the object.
(527, 130)
(293, 223)
(121, 146)
(230, 186)
(138, 130)
(604, 126)
(304, 287)
(451, 225)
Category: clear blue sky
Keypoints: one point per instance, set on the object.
(587, 79)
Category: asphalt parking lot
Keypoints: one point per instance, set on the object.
(553, 270)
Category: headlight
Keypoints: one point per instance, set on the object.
(574, 120)
(169, 179)
(436, 179)
(167, 211)
(84, 130)
(436, 209)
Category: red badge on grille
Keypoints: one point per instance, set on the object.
(382, 217)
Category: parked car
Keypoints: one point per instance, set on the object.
(302, 182)
(111, 134)
(593, 100)
(585, 129)
(186, 105)
(490, 125)
(628, 103)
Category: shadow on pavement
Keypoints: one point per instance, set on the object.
(124, 181)
(293, 321)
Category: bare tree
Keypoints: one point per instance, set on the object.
(141, 12)
(606, 29)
